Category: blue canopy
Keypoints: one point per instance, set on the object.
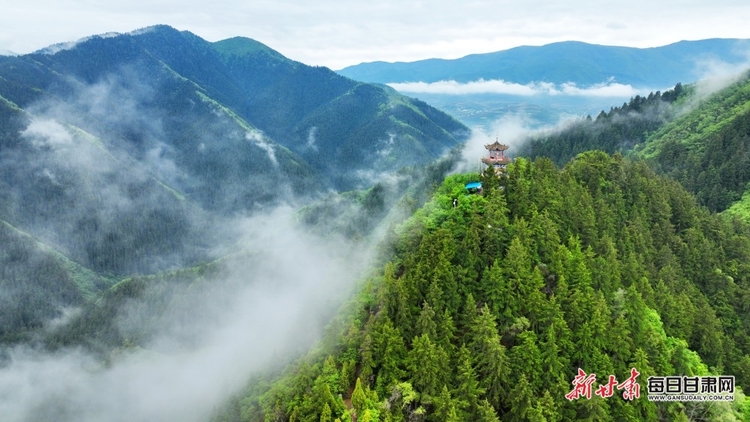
(474, 185)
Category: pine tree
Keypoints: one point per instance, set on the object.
(490, 358)
(359, 399)
(620, 344)
(469, 314)
(486, 413)
(446, 332)
(520, 400)
(366, 416)
(547, 407)
(391, 353)
(496, 292)
(426, 363)
(545, 235)
(325, 415)
(645, 408)
(445, 408)
(553, 363)
(426, 323)
(594, 410)
(526, 359)
(435, 298)
(468, 390)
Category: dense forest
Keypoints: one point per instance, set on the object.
(700, 141)
(486, 310)
(36, 282)
(618, 130)
(707, 149)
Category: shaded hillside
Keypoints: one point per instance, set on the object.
(102, 207)
(338, 125)
(486, 310)
(107, 323)
(570, 61)
(201, 124)
(173, 81)
(131, 154)
(36, 282)
(129, 313)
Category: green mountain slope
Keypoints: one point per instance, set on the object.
(98, 204)
(106, 323)
(130, 155)
(702, 142)
(707, 149)
(618, 130)
(338, 125)
(486, 310)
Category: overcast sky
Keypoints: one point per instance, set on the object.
(341, 33)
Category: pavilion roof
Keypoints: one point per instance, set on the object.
(496, 146)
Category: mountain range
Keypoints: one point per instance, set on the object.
(126, 153)
(568, 62)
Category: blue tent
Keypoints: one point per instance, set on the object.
(474, 187)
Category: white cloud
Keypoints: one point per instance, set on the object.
(511, 130)
(481, 86)
(499, 86)
(311, 143)
(716, 74)
(261, 142)
(607, 89)
(47, 133)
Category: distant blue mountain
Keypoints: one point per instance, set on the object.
(571, 61)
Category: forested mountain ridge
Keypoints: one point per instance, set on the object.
(618, 130)
(312, 110)
(565, 62)
(126, 154)
(707, 149)
(486, 310)
(700, 141)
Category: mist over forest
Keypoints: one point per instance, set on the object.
(210, 231)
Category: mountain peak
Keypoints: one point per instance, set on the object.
(241, 46)
(152, 28)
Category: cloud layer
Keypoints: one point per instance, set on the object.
(499, 86)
